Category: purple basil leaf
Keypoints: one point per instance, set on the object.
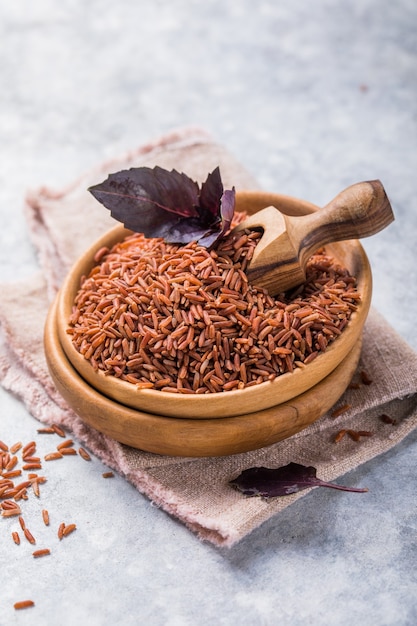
(147, 200)
(183, 230)
(227, 208)
(222, 225)
(209, 237)
(211, 193)
(159, 203)
(291, 478)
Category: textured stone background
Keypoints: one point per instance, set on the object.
(311, 97)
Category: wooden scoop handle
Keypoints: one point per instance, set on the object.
(359, 211)
(280, 258)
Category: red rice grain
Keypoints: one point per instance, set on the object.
(84, 454)
(185, 319)
(29, 536)
(353, 434)
(23, 604)
(68, 451)
(10, 508)
(12, 474)
(16, 537)
(339, 436)
(69, 529)
(365, 433)
(387, 419)
(32, 460)
(35, 482)
(365, 378)
(39, 553)
(32, 466)
(357, 434)
(340, 410)
(65, 444)
(58, 430)
(53, 456)
(11, 512)
(13, 461)
(28, 449)
(64, 530)
(61, 528)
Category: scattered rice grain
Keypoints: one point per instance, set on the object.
(340, 410)
(58, 430)
(29, 536)
(61, 528)
(365, 378)
(52, 456)
(68, 443)
(68, 451)
(84, 454)
(32, 466)
(67, 530)
(357, 434)
(41, 552)
(23, 604)
(387, 419)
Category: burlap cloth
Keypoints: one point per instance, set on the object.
(62, 225)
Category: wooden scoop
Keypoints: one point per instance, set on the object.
(280, 258)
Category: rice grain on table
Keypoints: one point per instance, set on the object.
(185, 319)
(69, 529)
(61, 528)
(64, 530)
(57, 430)
(53, 456)
(16, 537)
(84, 454)
(42, 552)
(23, 604)
(29, 536)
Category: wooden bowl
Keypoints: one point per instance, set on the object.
(192, 437)
(237, 402)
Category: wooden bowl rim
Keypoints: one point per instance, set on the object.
(234, 402)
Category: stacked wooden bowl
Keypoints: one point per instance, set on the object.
(211, 424)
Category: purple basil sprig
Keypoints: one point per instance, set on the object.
(168, 204)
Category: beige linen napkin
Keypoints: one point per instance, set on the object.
(196, 491)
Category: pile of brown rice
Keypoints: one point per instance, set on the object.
(184, 319)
